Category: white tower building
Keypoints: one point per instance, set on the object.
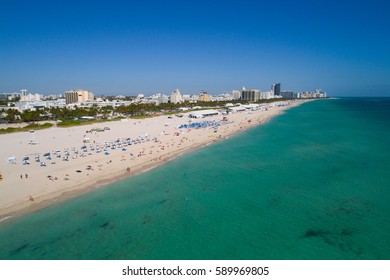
(176, 97)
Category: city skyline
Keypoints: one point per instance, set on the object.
(131, 48)
(275, 89)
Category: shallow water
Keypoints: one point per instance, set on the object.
(310, 184)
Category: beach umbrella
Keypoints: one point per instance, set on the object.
(106, 153)
(12, 160)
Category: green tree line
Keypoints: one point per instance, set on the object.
(12, 115)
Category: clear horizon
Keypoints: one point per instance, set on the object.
(128, 48)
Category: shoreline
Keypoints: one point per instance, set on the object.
(20, 205)
(93, 185)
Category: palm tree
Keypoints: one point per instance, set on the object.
(12, 115)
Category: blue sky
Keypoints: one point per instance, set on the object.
(131, 47)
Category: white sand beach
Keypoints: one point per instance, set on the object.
(25, 188)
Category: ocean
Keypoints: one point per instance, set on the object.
(311, 184)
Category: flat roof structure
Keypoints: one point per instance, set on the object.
(203, 113)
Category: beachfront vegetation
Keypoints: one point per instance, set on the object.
(76, 122)
(74, 116)
(28, 127)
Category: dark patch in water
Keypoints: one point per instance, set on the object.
(328, 240)
(336, 170)
(275, 201)
(278, 199)
(105, 225)
(43, 254)
(60, 238)
(341, 239)
(146, 219)
(93, 215)
(350, 208)
(339, 243)
(163, 201)
(74, 233)
(19, 249)
(346, 232)
(343, 247)
(36, 248)
(315, 233)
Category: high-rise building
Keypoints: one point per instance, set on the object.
(9, 96)
(23, 92)
(78, 96)
(160, 98)
(236, 94)
(276, 89)
(266, 95)
(320, 93)
(203, 96)
(250, 94)
(176, 97)
(287, 94)
(29, 97)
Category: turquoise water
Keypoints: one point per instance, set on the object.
(312, 183)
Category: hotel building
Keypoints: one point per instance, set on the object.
(250, 95)
(276, 89)
(203, 96)
(176, 97)
(78, 96)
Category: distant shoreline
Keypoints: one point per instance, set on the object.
(15, 192)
